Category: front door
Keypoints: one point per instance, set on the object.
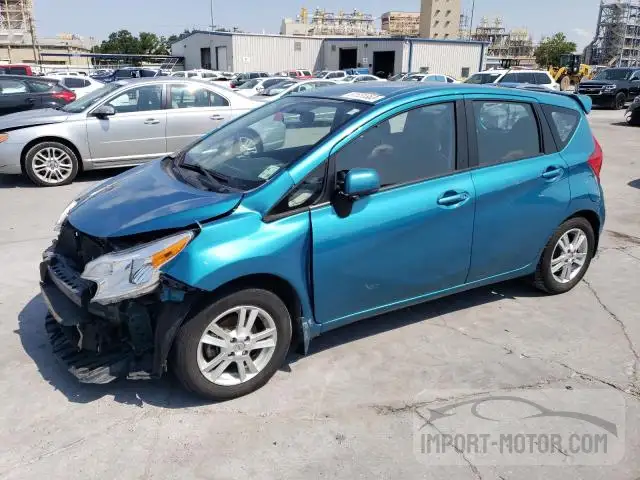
(135, 133)
(193, 111)
(634, 85)
(410, 239)
(522, 188)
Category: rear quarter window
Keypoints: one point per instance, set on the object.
(563, 122)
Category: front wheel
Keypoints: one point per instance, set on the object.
(619, 101)
(51, 164)
(566, 257)
(234, 346)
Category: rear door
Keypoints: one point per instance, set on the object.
(413, 237)
(521, 183)
(137, 132)
(193, 110)
(15, 96)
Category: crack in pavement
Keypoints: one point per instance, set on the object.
(622, 327)
(472, 467)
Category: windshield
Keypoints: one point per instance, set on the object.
(279, 87)
(614, 74)
(320, 74)
(248, 85)
(90, 99)
(246, 153)
(482, 78)
(415, 78)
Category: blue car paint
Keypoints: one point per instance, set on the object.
(145, 199)
(381, 258)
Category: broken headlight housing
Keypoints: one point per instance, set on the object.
(133, 272)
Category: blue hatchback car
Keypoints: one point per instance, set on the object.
(216, 260)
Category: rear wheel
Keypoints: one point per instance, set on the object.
(51, 164)
(566, 257)
(234, 346)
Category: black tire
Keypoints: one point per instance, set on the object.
(543, 278)
(186, 346)
(620, 101)
(30, 159)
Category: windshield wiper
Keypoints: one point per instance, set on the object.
(214, 178)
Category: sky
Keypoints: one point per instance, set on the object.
(97, 18)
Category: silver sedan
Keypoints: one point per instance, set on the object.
(121, 124)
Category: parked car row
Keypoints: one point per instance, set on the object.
(315, 211)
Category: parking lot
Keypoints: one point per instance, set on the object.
(347, 410)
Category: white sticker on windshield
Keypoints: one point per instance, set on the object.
(353, 111)
(366, 97)
(268, 172)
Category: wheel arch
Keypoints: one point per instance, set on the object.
(53, 138)
(272, 283)
(593, 218)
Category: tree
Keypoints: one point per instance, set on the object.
(121, 41)
(550, 49)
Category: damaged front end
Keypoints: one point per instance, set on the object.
(112, 312)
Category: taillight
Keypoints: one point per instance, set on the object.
(66, 95)
(595, 160)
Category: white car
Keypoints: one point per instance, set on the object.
(361, 78)
(336, 75)
(67, 73)
(290, 86)
(430, 77)
(80, 85)
(200, 73)
(528, 77)
(257, 85)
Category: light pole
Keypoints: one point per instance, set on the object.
(211, 38)
(473, 9)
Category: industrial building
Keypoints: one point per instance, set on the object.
(514, 44)
(617, 39)
(401, 24)
(324, 23)
(243, 52)
(20, 44)
(440, 19)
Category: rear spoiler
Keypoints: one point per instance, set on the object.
(585, 102)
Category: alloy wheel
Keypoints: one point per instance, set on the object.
(52, 165)
(237, 345)
(569, 255)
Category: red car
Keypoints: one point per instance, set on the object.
(16, 70)
(300, 74)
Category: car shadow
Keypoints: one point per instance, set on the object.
(21, 181)
(168, 393)
(634, 183)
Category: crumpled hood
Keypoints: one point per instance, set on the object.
(32, 117)
(145, 199)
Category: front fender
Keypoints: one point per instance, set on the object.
(241, 245)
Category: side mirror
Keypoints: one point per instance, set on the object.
(359, 182)
(104, 111)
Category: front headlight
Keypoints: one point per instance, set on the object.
(610, 87)
(133, 272)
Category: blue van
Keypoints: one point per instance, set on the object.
(216, 260)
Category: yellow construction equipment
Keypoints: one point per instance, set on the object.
(570, 72)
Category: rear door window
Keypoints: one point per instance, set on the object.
(41, 86)
(505, 131)
(563, 121)
(542, 78)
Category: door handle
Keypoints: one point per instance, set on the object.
(216, 117)
(151, 121)
(553, 172)
(31, 100)
(453, 199)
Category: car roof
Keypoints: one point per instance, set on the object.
(380, 92)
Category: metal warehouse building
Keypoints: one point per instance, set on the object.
(244, 52)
